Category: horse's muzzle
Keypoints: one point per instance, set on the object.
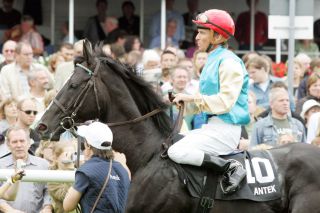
(43, 131)
(41, 128)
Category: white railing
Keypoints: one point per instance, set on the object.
(41, 175)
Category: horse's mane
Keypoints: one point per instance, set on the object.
(142, 92)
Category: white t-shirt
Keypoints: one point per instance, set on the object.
(313, 126)
(264, 86)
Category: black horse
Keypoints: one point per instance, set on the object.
(104, 89)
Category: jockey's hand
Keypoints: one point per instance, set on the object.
(244, 144)
(180, 97)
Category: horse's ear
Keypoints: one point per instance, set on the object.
(87, 51)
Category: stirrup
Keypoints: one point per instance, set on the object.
(236, 165)
(227, 192)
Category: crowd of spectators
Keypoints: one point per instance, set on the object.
(29, 80)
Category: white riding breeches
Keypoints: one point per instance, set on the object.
(214, 138)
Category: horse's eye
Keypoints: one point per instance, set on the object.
(73, 85)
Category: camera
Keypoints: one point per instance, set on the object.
(20, 164)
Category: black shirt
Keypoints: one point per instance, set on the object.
(9, 19)
(131, 26)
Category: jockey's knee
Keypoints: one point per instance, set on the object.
(177, 153)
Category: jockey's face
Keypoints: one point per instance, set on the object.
(203, 39)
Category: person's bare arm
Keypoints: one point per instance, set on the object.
(9, 190)
(47, 209)
(121, 158)
(71, 200)
(6, 208)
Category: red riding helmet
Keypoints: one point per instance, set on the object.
(218, 20)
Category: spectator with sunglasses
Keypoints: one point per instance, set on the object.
(27, 111)
(224, 84)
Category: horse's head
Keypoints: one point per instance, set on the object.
(74, 102)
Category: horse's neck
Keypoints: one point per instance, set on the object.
(139, 142)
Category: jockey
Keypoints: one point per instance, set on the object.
(224, 99)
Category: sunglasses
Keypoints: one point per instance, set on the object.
(205, 20)
(28, 112)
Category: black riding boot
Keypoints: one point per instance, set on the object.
(233, 172)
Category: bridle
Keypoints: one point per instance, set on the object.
(77, 104)
(67, 122)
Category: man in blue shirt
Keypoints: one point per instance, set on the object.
(171, 14)
(278, 124)
(31, 197)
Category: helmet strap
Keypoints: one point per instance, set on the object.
(209, 48)
(211, 45)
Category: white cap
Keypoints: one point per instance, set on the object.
(307, 106)
(96, 133)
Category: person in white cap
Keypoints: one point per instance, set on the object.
(309, 107)
(91, 176)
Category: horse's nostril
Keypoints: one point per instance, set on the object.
(42, 127)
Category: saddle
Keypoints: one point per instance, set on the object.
(261, 183)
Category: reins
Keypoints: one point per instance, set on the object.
(136, 120)
(176, 129)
